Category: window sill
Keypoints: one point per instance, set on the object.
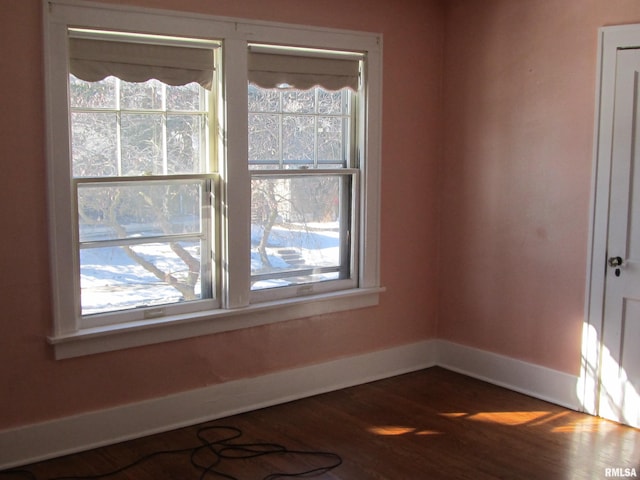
(134, 334)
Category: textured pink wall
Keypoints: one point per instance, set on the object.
(506, 181)
(519, 114)
(35, 387)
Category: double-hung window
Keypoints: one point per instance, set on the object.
(304, 169)
(142, 173)
(205, 174)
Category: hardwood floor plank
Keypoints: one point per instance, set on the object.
(432, 424)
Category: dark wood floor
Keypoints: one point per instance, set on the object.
(432, 424)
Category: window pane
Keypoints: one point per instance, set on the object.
(263, 100)
(185, 97)
(100, 94)
(142, 144)
(118, 278)
(299, 101)
(94, 144)
(331, 143)
(137, 209)
(332, 103)
(185, 143)
(141, 96)
(298, 232)
(264, 137)
(298, 138)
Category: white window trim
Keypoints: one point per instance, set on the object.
(237, 312)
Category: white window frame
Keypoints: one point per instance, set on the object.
(70, 337)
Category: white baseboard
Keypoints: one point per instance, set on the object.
(534, 380)
(31, 443)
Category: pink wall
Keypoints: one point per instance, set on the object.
(35, 387)
(484, 213)
(519, 113)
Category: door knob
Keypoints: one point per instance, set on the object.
(615, 261)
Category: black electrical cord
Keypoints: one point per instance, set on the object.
(221, 450)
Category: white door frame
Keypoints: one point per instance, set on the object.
(610, 40)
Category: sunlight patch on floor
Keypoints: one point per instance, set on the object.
(508, 418)
(554, 421)
(587, 425)
(502, 418)
(454, 414)
(551, 418)
(393, 430)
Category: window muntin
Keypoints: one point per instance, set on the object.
(141, 169)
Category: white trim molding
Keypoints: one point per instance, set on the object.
(134, 334)
(530, 379)
(31, 443)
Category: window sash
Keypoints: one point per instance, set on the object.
(347, 118)
(162, 116)
(204, 235)
(348, 260)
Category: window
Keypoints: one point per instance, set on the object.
(141, 169)
(303, 165)
(206, 174)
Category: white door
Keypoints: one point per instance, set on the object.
(619, 397)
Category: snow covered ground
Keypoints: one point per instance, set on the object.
(111, 280)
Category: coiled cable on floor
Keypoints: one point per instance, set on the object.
(217, 453)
